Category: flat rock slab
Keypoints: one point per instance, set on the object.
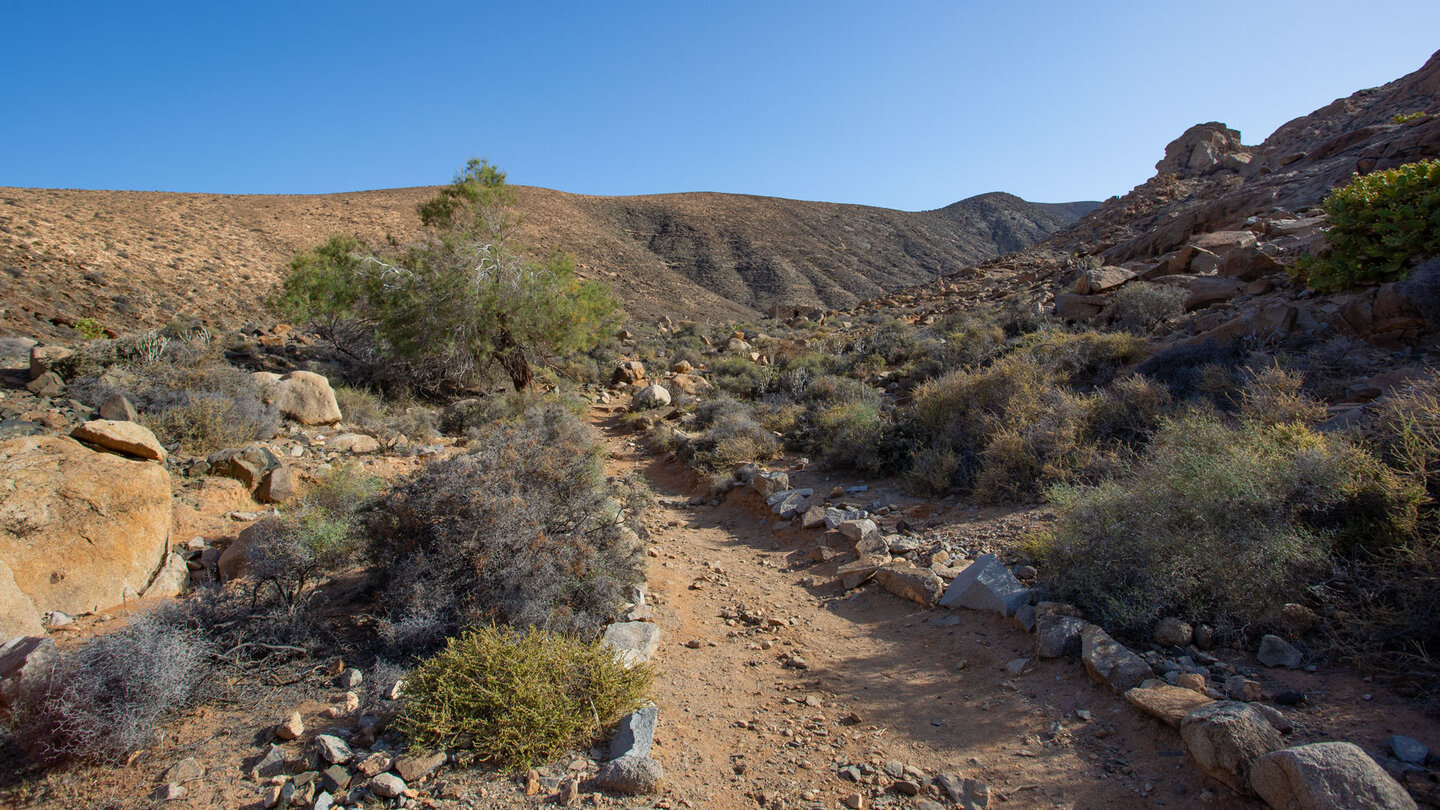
(1169, 704)
(635, 734)
(127, 438)
(634, 642)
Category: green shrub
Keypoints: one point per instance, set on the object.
(517, 700)
(742, 378)
(933, 471)
(1379, 224)
(1276, 396)
(524, 529)
(316, 536)
(1084, 358)
(454, 304)
(89, 329)
(1218, 523)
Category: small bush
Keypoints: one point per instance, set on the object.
(731, 435)
(1140, 307)
(524, 530)
(102, 699)
(316, 537)
(517, 700)
(1379, 225)
(1275, 396)
(856, 436)
(933, 471)
(1218, 523)
(1085, 358)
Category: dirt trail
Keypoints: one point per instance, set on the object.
(883, 682)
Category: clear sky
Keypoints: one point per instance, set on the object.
(909, 105)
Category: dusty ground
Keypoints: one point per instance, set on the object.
(884, 683)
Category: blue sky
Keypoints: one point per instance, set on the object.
(909, 105)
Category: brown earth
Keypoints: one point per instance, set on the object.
(133, 259)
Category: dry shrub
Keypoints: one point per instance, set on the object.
(730, 435)
(1140, 306)
(517, 700)
(1275, 396)
(524, 530)
(1218, 523)
(102, 699)
(183, 390)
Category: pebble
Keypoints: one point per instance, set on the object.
(350, 678)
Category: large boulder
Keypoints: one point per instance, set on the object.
(1321, 776)
(1226, 739)
(302, 396)
(127, 438)
(628, 372)
(79, 530)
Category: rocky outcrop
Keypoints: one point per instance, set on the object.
(79, 529)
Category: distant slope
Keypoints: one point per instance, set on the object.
(133, 259)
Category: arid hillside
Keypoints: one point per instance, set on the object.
(133, 259)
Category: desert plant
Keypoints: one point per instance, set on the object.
(1140, 307)
(1275, 396)
(517, 700)
(525, 529)
(1218, 523)
(731, 435)
(101, 700)
(460, 300)
(1379, 225)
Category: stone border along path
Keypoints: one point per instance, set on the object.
(1235, 742)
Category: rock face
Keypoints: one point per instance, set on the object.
(1227, 739)
(1202, 149)
(303, 396)
(125, 437)
(77, 529)
(1326, 775)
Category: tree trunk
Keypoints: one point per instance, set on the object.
(517, 366)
